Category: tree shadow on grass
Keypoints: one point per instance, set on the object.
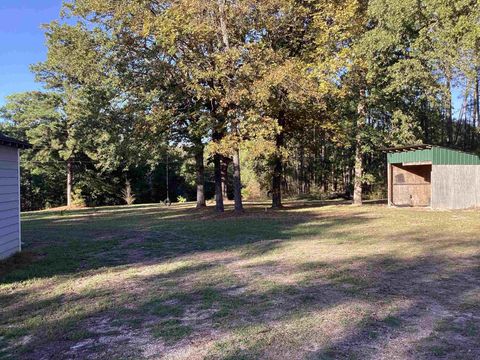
(260, 314)
(71, 246)
(414, 331)
(430, 292)
(396, 299)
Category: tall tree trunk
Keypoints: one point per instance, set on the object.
(223, 24)
(301, 172)
(224, 168)
(476, 102)
(69, 182)
(200, 178)
(449, 115)
(278, 164)
(357, 182)
(237, 181)
(151, 190)
(217, 163)
(361, 119)
(315, 165)
(426, 120)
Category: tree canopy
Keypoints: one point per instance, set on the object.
(242, 98)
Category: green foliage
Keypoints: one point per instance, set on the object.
(78, 199)
(297, 86)
(254, 184)
(181, 199)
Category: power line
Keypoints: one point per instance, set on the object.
(59, 162)
(84, 162)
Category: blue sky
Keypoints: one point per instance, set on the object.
(22, 41)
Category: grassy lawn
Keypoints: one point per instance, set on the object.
(307, 282)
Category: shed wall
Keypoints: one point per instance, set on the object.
(9, 202)
(455, 186)
(411, 185)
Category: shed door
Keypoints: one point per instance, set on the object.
(411, 185)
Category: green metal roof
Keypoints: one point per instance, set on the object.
(437, 155)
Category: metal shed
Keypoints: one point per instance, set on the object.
(10, 232)
(433, 176)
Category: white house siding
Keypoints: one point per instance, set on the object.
(9, 202)
(455, 186)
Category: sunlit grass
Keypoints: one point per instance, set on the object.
(305, 282)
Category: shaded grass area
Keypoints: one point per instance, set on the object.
(312, 281)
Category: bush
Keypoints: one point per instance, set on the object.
(181, 199)
(253, 191)
(77, 199)
(127, 193)
(376, 192)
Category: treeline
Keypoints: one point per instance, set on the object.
(242, 99)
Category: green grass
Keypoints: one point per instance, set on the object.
(171, 330)
(393, 321)
(313, 281)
